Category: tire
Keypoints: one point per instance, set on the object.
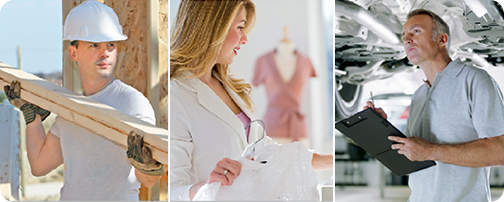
(347, 100)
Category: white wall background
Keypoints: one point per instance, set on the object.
(305, 21)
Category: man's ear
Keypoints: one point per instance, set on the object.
(443, 40)
(72, 51)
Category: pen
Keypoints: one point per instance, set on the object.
(372, 100)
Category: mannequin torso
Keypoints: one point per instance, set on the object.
(285, 60)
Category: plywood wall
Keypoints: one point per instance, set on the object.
(132, 67)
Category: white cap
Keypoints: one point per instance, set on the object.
(93, 21)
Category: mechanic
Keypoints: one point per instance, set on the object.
(455, 118)
(95, 168)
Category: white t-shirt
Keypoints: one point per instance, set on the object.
(287, 175)
(96, 168)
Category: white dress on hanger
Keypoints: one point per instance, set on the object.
(287, 175)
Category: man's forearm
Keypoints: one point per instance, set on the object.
(477, 153)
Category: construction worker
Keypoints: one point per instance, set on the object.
(95, 168)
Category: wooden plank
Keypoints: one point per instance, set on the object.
(99, 118)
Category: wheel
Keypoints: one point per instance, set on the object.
(346, 100)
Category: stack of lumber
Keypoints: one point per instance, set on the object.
(101, 119)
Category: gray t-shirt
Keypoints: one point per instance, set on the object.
(463, 104)
(95, 168)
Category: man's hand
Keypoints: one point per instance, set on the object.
(140, 156)
(13, 93)
(378, 110)
(29, 110)
(415, 148)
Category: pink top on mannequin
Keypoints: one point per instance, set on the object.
(283, 117)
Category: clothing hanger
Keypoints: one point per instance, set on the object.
(263, 134)
(250, 153)
(262, 124)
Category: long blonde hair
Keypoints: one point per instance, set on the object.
(197, 35)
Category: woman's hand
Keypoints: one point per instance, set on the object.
(225, 172)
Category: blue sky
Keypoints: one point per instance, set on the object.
(37, 26)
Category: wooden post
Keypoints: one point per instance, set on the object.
(163, 84)
(153, 56)
(163, 63)
(9, 148)
(19, 53)
(71, 75)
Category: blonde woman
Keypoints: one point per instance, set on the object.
(209, 109)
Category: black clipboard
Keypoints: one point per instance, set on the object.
(370, 131)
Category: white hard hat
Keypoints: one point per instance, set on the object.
(93, 21)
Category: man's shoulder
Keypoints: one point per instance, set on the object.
(125, 90)
(125, 93)
(125, 87)
(476, 75)
(421, 90)
(137, 104)
(471, 69)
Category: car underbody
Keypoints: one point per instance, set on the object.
(368, 46)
